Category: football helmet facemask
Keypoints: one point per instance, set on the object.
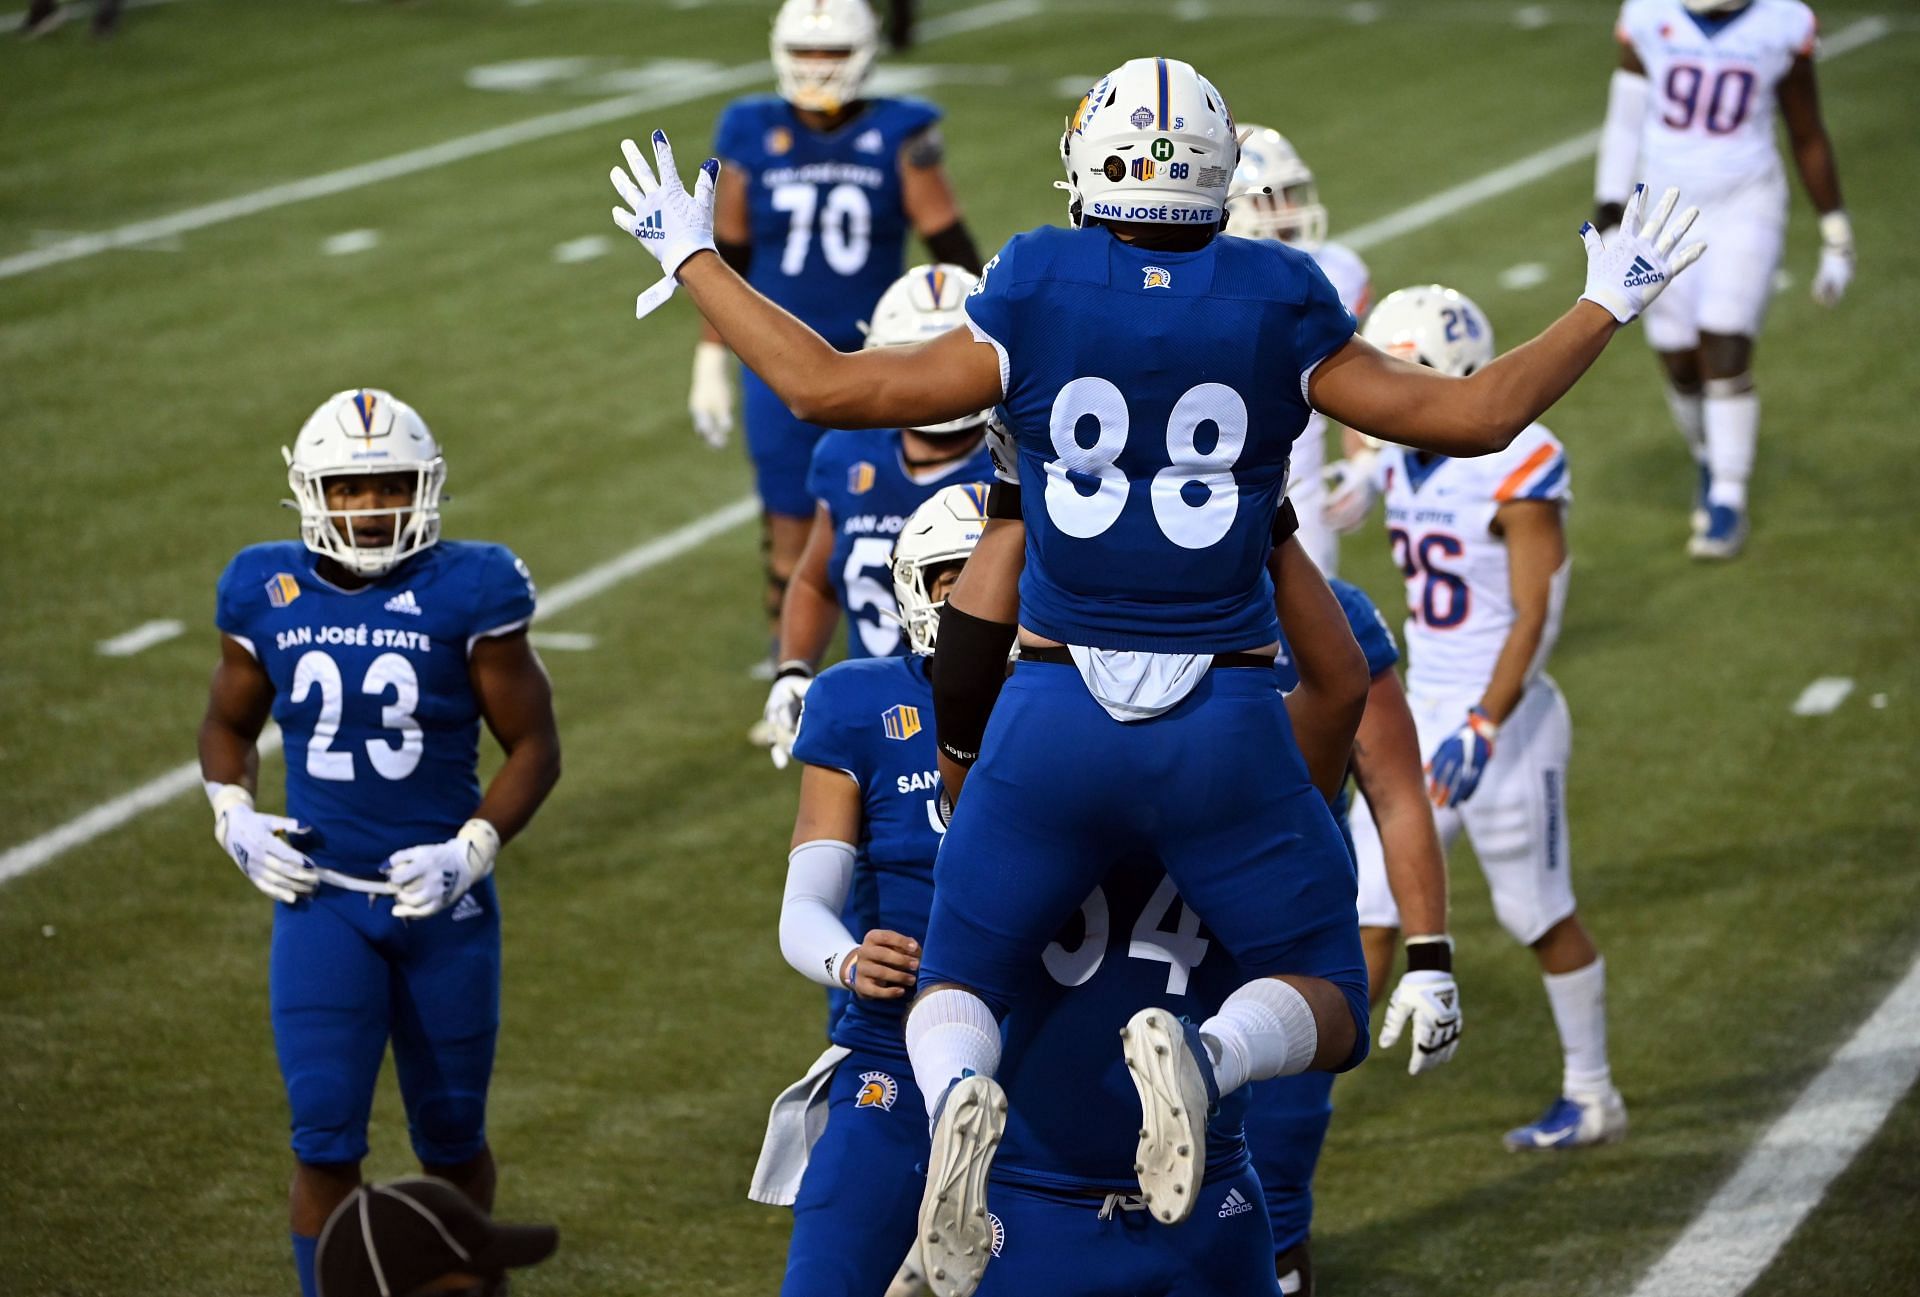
(822, 52)
(359, 432)
(919, 306)
(943, 530)
(1432, 326)
(1273, 194)
(1152, 143)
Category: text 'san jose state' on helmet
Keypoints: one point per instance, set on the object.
(822, 52)
(1273, 194)
(1433, 326)
(1152, 143)
(943, 530)
(360, 432)
(919, 306)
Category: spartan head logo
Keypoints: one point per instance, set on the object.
(877, 1090)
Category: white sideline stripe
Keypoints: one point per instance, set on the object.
(565, 641)
(30, 855)
(140, 638)
(1822, 696)
(1784, 1176)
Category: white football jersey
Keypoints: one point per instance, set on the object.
(1709, 121)
(1349, 276)
(1347, 273)
(1439, 515)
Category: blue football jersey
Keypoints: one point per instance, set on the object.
(874, 719)
(371, 688)
(1369, 628)
(862, 478)
(1073, 1113)
(828, 223)
(1154, 398)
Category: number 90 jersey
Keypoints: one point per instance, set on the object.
(1709, 124)
(828, 223)
(371, 688)
(1439, 514)
(1154, 398)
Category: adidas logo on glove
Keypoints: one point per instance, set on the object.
(651, 228)
(1641, 273)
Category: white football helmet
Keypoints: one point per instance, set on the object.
(822, 52)
(943, 530)
(361, 431)
(918, 307)
(1273, 195)
(1153, 142)
(1432, 326)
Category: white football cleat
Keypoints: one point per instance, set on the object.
(1725, 535)
(1174, 1075)
(956, 1238)
(1574, 1122)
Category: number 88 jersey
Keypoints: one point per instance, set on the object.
(1439, 514)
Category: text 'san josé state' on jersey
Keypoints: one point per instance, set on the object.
(371, 688)
(829, 226)
(1709, 124)
(1154, 398)
(1439, 515)
(873, 719)
(863, 479)
(1072, 1111)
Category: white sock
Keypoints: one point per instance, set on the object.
(1265, 1029)
(1579, 1001)
(1732, 410)
(950, 1034)
(1688, 414)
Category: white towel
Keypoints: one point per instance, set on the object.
(1138, 686)
(798, 1116)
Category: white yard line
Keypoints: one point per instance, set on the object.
(564, 641)
(1822, 696)
(140, 638)
(1784, 1176)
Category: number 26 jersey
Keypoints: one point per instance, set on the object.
(1154, 398)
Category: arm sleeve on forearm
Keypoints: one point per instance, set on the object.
(954, 245)
(1613, 174)
(812, 937)
(737, 255)
(969, 666)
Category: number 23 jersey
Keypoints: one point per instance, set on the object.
(1154, 398)
(371, 688)
(1459, 592)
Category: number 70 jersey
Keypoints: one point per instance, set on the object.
(1459, 592)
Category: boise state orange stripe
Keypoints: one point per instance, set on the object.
(1518, 478)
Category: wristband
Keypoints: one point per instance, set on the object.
(1836, 231)
(1482, 724)
(1430, 954)
(224, 797)
(794, 667)
(847, 967)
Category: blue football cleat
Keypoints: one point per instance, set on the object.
(1725, 536)
(1573, 1123)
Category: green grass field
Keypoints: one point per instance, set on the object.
(1752, 874)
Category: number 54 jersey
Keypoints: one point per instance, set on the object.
(1439, 514)
(371, 688)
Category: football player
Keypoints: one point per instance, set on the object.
(1482, 544)
(865, 483)
(1147, 623)
(379, 649)
(1273, 195)
(1694, 96)
(822, 187)
(868, 828)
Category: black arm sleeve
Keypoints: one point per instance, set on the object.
(969, 666)
(1003, 501)
(1285, 521)
(737, 255)
(954, 245)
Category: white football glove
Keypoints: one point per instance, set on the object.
(1003, 449)
(710, 401)
(1350, 491)
(429, 878)
(669, 222)
(1431, 1000)
(253, 841)
(1836, 259)
(782, 712)
(1628, 271)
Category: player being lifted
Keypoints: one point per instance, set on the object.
(1155, 379)
(379, 649)
(1693, 97)
(1274, 196)
(868, 827)
(865, 483)
(822, 187)
(1482, 545)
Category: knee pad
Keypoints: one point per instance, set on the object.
(448, 1127)
(329, 1118)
